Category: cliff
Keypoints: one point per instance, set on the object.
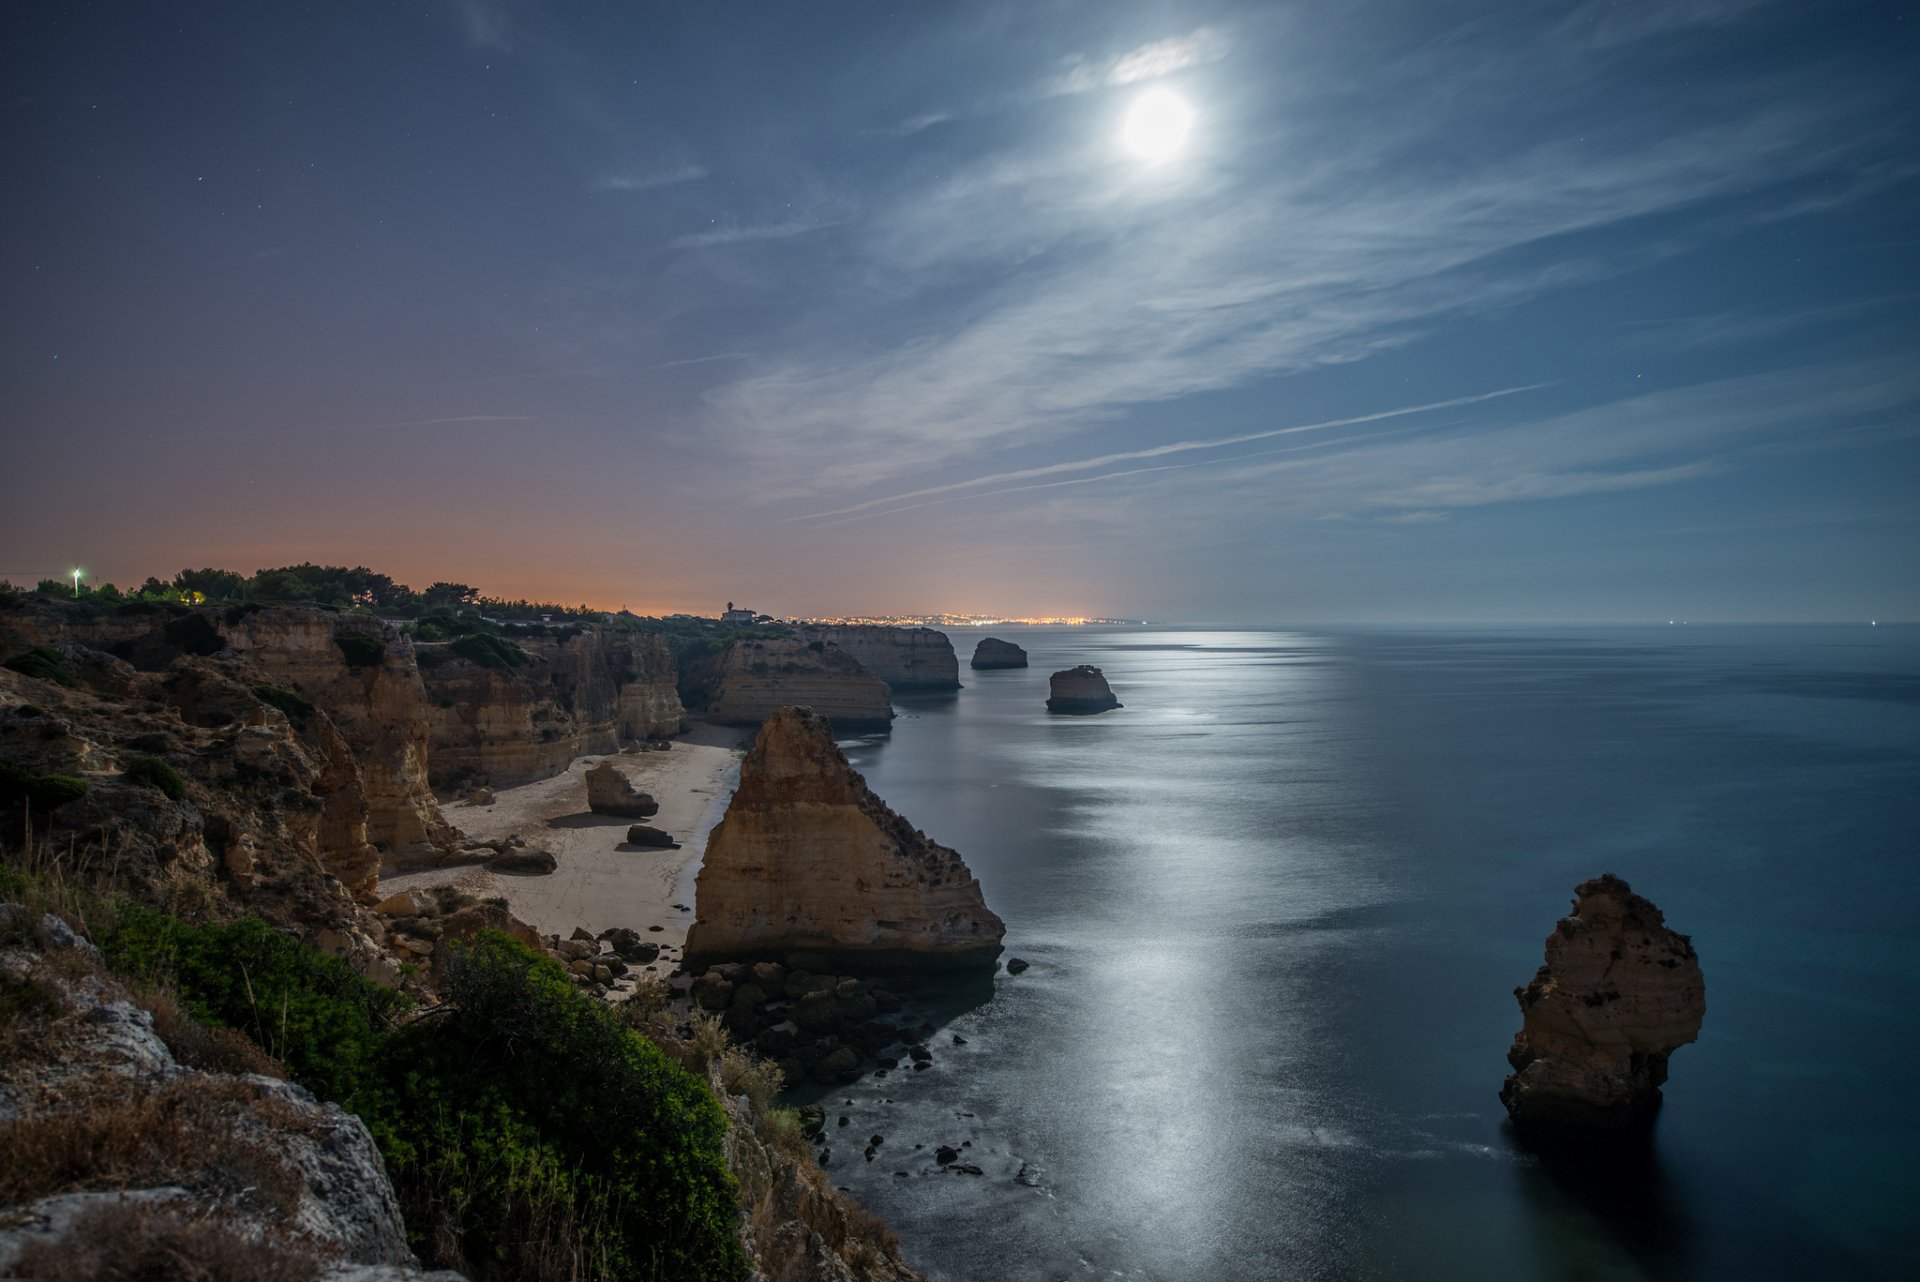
(1080, 690)
(752, 679)
(807, 858)
(567, 698)
(1619, 993)
(992, 652)
(904, 658)
(363, 674)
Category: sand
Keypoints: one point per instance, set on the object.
(602, 881)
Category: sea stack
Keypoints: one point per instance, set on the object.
(992, 652)
(752, 679)
(611, 793)
(1618, 994)
(1080, 690)
(904, 658)
(807, 859)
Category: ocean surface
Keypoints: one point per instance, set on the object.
(1276, 908)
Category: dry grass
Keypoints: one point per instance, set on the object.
(106, 1132)
(145, 1242)
(211, 1050)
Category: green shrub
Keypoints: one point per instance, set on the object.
(361, 651)
(44, 663)
(40, 791)
(155, 773)
(489, 651)
(298, 710)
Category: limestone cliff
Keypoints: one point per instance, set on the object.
(1618, 994)
(1080, 690)
(992, 652)
(807, 858)
(751, 679)
(584, 694)
(904, 658)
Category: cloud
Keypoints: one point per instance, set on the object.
(486, 23)
(1148, 62)
(648, 182)
(734, 234)
(703, 360)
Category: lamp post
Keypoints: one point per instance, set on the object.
(76, 583)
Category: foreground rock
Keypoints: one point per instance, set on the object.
(610, 792)
(1080, 690)
(1618, 994)
(904, 658)
(753, 679)
(807, 858)
(992, 652)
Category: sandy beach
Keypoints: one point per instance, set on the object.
(602, 881)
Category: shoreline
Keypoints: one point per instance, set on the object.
(601, 882)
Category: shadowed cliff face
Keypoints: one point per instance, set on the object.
(1619, 993)
(753, 679)
(807, 858)
(904, 658)
(570, 698)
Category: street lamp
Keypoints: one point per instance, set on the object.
(76, 581)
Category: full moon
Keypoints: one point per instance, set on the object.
(1157, 124)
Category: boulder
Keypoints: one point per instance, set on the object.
(524, 862)
(1080, 691)
(1619, 993)
(611, 793)
(992, 652)
(645, 835)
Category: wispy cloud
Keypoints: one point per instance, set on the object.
(1147, 62)
(734, 234)
(668, 177)
(704, 360)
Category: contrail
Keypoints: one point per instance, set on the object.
(1160, 451)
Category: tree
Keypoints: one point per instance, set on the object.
(214, 585)
(450, 594)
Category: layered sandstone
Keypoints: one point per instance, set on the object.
(1080, 690)
(1619, 993)
(752, 679)
(808, 859)
(992, 652)
(381, 708)
(904, 658)
(567, 698)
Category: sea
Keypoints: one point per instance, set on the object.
(1276, 908)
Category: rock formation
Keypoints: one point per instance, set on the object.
(807, 858)
(566, 698)
(992, 652)
(1618, 994)
(904, 658)
(752, 679)
(1080, 690)
(609, 792)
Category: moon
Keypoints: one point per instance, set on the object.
(1157, 124)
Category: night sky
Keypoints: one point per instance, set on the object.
(1438, 311)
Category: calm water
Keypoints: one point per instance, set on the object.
(1276, 908)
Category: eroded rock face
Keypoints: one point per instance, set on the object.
(808, 859)
(571, 697)
(1618, 994)
(609, 792)
(904, 658)
(753, 679)
(992, 652)
(1080, 690)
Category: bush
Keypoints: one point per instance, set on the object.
(135, 1241)
(361, 651)
(155, 773)
(40, 791)
(44, 663)
(298, 710)
(489, 651)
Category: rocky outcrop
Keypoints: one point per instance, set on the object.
(808, 859)
(609, 792)
(565, 698)
(992, 652)
(904, 658)
(1080, 690)
(211, 1165)
(1618, 994)
(362, 673)
(752, 679)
